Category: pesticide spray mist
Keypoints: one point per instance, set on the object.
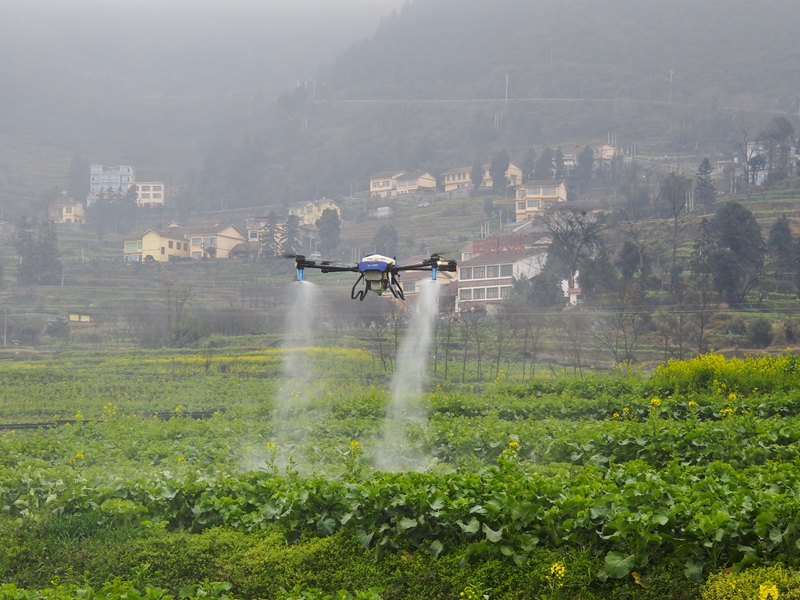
(295, 392)
(397, 452)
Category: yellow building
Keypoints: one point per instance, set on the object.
(155, 245)
(458, 178)
(415, 182)
(310, 212)
(461, 177)
(66, 211)
(209, 239)
(535, 196)
(384, 185)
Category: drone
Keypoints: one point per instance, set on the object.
(379, 273)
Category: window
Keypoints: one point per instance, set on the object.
(162, 249)
(96, 169)
(130, 246)
(520, 206)
(506, 270)
(186, 246)
(493, 271)
(534, 191)
(253, 234)
(465, 294)
(197, 242)
(157, 188)
(138, 245)
(505, 291)
(209, 240)
(549, 191)
(145, 196)
(479, 293)
(521, 194)
(95, 178)
(144, 188)
(533, 204)
(479, 272)
(69, 210)
(156, 196)
(376, 184)
(170, 244)
(309, 209)
(465, 273)
(410, 287)
(197, 254)
(492, 293)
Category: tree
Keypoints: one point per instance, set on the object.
(385, 240)
(672, 195)
(476, 176)
(290, 235)
(558, 163)
(544, 165)
(329, 227)
(269, 245)
(40, 259)
(777, 139)
(704, 191)
(498, 170)
(582, 175)
(781, 248)
(731, 251)
(528, 164)
(575, 234)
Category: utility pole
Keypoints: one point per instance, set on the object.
(5, 326)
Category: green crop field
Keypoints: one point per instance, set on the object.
(681, 484)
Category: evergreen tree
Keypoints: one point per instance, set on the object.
(269, 244)
(584, 168)
(290, 236)
(544, 165)
(329, 226)
(704, 191)
(498, 170)
(781, 247)
(528, 164)
(476, 175)
(558, 164)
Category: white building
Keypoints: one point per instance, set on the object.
(105, 180)
(150, 193)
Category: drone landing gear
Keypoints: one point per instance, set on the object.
(358, 294)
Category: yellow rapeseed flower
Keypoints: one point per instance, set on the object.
(767, 592)
(693, 404)
(616, 416)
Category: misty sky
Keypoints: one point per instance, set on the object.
(177, 46)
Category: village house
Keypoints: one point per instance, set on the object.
(384, 185)
(155, 245)
(538, 195)
(66, 211)
(208, 239)
(461, 177)
(391, 183)
(411, 281)
(311, 211)
(487, 280)
(150, 193)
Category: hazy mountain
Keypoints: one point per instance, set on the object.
(728, 49)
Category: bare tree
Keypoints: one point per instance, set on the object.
(575, 234)
(504, 333)
(617, 328)
(573, 328)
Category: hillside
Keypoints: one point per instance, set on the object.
(577, 49)
(427, 91)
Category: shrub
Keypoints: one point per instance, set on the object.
(764, 583)
(760, 333)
